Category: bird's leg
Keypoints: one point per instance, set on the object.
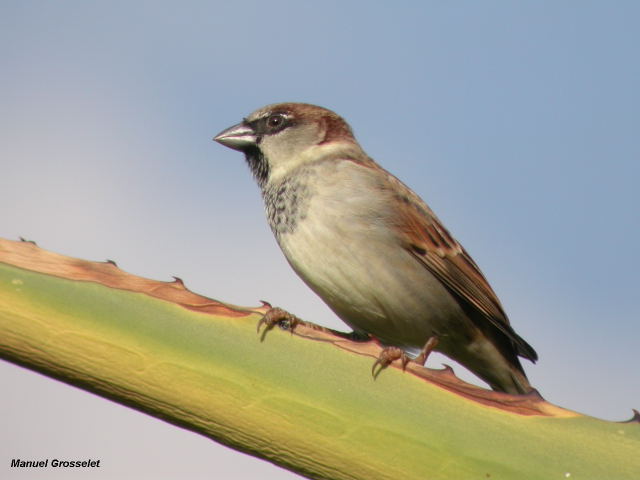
(388, 355)
(431, 344)
(278, 316)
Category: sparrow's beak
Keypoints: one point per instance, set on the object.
(239, 137)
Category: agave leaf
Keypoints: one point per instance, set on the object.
(303, 400)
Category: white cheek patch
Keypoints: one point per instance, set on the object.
(283, 161)
(290, 148)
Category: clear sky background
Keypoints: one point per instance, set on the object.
(516, 121)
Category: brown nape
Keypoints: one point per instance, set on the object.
(335, 129)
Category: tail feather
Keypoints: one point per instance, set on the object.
(514, 382)
(520, 383)
(496, 364)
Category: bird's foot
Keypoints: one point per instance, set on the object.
(388, 355)
(431, 344)
(280, 317)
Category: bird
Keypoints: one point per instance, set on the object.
(371, 248)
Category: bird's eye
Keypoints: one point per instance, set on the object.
(275, 121)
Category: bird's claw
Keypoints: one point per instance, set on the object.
(386, 357)
(278, 316)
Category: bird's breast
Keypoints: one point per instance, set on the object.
(336, 234)
(287, 203)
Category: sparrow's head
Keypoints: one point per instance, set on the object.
(278, 138)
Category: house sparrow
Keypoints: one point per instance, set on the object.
(371, 248)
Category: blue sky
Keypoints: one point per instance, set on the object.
(516, 121)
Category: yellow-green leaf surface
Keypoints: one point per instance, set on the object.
(305, 401)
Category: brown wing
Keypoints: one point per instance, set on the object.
(430, 242)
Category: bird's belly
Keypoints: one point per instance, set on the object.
(373, 284)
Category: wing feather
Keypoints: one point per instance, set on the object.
(433, 246)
